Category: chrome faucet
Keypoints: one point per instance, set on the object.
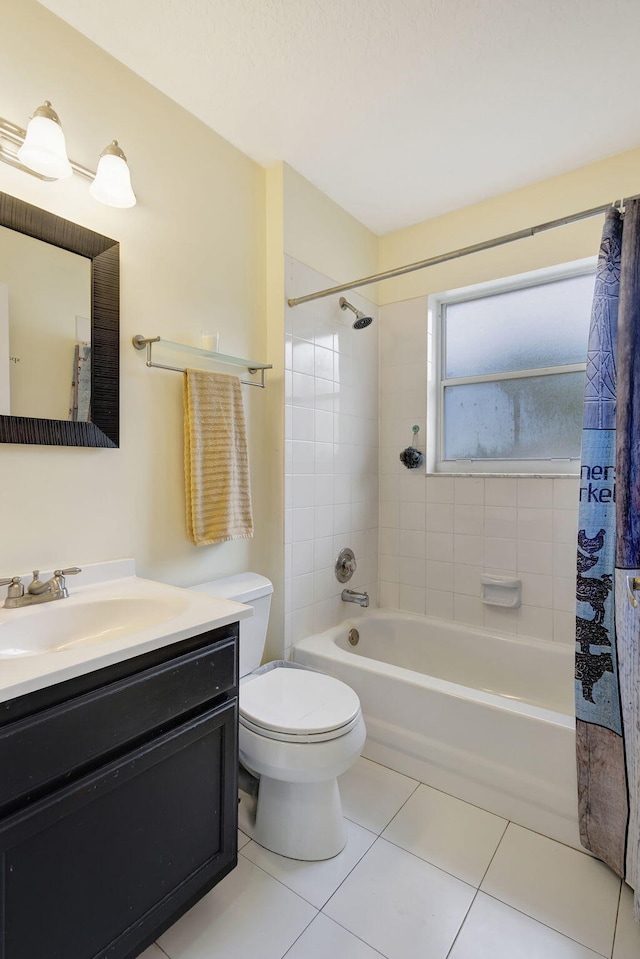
(351, 596)
(37, 592)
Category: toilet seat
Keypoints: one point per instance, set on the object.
(298, 705)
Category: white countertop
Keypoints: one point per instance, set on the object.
(189, 613)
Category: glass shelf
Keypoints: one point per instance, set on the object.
(211, 355)
(141, 342)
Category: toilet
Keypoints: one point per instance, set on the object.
(299, 730)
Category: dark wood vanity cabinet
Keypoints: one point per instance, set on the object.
(118, 801)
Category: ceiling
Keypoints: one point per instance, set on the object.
(399, 110)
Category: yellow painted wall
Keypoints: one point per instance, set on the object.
(550, 199)
(192, 259)
(325, 237)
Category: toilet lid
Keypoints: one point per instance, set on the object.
(298, 702)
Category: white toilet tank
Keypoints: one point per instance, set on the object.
(253, 590)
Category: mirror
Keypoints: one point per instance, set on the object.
(59, 325)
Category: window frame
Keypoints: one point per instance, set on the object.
(437, 305)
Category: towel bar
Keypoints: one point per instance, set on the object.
(140, 342)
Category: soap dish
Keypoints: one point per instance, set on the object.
(501, 591)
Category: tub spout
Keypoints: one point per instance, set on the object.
(351, 596)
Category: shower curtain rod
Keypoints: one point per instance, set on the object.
(464, 251)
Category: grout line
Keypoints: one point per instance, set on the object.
(462, 923)
(412, 793)
(429, 863)
(300, 896)
(163, 951)
(275, 879)
(615, 928)
(355, 936)
(495, 852)
(545, 924)
(286, 953)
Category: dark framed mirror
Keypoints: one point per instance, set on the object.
(45, 306)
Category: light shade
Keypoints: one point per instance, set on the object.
(112, 183)
(44, 150)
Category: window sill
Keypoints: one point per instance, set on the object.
(507, 475)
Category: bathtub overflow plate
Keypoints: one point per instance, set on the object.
(354, 636)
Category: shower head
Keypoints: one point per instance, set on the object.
(361, 321)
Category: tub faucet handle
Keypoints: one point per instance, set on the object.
(345, 565)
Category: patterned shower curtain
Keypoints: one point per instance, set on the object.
(607, 625)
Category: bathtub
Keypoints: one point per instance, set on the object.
(485, 717)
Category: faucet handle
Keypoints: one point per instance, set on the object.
(71, 571)
(16, 589)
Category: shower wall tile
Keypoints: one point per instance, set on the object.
(566, 492)
(535, 492)
(331, 457)
(439, 546)
(439, 489)
(501, 522)
(535, 524)
(522, 527)
(499, 491)
(389, 595)
(439, 517)
(413, 599)
(537, 589)
(535, 621)
(468, 610)
(468, 490)
(302, 559)
(565, 526)
(439, 603)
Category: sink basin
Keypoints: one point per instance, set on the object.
(56, 627)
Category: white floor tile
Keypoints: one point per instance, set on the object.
(400, 905)
(247, 915)
(325, 939)
(561, 887)
(495, 931)
(627, 942)
(243, 839)
(449, 833)
(372, 794)
(153, 952)
(314, 881)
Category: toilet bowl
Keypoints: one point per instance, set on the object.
(299, 730)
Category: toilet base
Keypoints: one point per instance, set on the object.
(297, 820)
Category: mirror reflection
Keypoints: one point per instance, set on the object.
(45, 330)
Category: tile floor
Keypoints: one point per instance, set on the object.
(423, 876)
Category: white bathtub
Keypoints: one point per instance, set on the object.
(483, 716)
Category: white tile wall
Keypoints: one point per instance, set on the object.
(331, 455)
(438, 534)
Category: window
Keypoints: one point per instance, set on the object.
(510, 359)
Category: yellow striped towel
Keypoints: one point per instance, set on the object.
(216, 463)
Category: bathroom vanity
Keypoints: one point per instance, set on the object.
(118, 793)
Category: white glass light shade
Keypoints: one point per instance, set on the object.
(44, 149)
(112, 184)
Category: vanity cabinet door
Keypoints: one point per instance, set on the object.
(100, 868)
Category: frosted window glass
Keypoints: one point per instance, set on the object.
(537, 417)
(526, 329)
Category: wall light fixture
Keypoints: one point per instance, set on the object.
(42, 152)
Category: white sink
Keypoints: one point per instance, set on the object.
(110, 615)
(55, 626)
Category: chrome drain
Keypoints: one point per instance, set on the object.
(354, 636)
